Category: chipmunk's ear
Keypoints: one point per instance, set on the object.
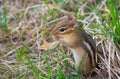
(73, 23)
(71, 16)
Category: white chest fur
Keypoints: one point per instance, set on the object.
(76, 56)
(80, 55)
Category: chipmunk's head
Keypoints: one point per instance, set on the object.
(65, 30)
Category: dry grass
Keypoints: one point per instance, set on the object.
(29, 23)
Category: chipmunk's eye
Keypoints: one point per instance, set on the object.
(62, 29)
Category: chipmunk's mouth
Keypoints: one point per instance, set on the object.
(58, 38)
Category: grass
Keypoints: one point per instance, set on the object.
(29, 24)
(114, 22)
(3, 20)
(22, 56)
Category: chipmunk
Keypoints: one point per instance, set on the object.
(69, 33)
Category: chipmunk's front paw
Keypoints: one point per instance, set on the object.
(46, 45)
